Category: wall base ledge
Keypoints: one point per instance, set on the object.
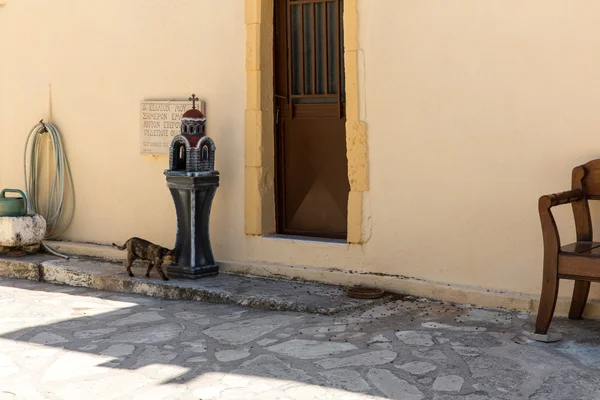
(461, 294)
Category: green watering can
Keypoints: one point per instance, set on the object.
(13, 206)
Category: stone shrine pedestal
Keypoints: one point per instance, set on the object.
(193, 196)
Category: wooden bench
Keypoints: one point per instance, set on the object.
(579, 261)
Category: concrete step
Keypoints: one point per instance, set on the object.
(263, 293)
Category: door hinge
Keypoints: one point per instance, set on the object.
(277, 110)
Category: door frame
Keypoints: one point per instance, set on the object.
(259, 137)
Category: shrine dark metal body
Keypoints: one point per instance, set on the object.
(193, 196)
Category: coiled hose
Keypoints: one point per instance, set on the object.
(59, 210)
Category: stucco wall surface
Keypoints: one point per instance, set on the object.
(473, 110)
(100, 59)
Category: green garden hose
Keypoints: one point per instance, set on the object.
(60, 207)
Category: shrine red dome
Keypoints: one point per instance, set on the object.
(192, 123)
(193, 113)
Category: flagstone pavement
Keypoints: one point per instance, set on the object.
(59, 342)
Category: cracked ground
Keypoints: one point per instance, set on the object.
(59, 342)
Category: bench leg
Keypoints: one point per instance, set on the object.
(580, 295)
(547, 304)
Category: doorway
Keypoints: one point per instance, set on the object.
(311, 163)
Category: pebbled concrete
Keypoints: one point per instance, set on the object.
(61, 342)
(264, 293)
(23, 267)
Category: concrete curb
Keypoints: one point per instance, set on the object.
(461, 294)
(20, 270)
(254, 292)
(458, 294)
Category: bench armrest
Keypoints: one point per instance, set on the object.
(549, 228)
(557, 199)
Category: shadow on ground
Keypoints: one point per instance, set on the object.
(60, 340)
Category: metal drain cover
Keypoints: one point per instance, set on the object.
(358, 292)
(16, 253)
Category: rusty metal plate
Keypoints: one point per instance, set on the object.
(16, 253)
(358, 292)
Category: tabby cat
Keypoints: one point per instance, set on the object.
(144, 250)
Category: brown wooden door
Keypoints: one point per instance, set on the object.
(312, 168)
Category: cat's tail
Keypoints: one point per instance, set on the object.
(120, 247)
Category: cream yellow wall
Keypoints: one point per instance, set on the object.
(100, 60)
(472, 110)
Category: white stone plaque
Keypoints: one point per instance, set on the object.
(160, 122)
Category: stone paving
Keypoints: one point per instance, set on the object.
(59, 342)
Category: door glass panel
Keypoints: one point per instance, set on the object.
(320, 50)
(309, 50)
(332, 47)
(296, 44)
(341, 57)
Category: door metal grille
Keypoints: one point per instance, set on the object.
(315, 71)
